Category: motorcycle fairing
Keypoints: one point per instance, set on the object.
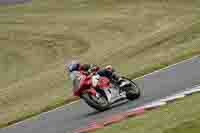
(113, 94)
(104, 83)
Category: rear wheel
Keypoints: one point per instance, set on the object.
(99, 103)
(132, 90)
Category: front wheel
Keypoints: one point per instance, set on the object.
(98, 103)
(132, 90)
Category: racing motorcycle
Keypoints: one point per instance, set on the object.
(100, 92)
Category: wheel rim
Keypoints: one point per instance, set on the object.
(134, 88)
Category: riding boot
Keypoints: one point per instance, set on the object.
(120, 81)
(117, 78)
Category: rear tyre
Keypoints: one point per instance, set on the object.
(132, 90)
(100, 104)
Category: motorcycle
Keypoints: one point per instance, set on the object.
(100, 92)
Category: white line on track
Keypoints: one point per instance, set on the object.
(167, 67)
(36, 116)
(168, 99)
(60, 107)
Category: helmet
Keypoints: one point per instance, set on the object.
(110, 68)
(73, 66)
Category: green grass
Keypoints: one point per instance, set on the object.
(136, 37)
(181, 116)
(188, 126)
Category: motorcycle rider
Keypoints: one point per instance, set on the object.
(76, 67)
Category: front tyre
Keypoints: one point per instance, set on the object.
(98, 103)
(132, 90)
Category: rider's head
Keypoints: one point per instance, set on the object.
(110, 68)
(73, 66)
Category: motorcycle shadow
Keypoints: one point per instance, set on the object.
(113, 106)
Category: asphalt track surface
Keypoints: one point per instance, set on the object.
(3, 2)
(154, 86)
